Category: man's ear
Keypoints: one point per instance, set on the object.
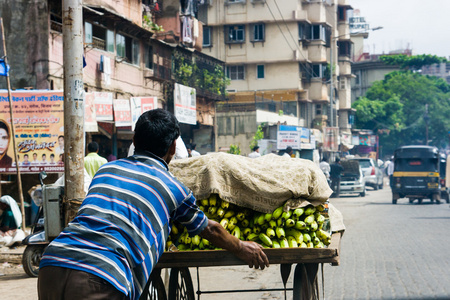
(173, 148)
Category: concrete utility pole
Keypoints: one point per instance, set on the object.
(73, 103)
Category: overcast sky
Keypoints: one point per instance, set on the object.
(420, 25)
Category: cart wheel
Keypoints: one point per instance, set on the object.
(180, 285)
(305, 282)
(155, 289)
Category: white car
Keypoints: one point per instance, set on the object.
(373, 175)
(352, 179)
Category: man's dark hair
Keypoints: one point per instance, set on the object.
(337, 159)
(92, 147)
(25, 155)
(155, 131)
(52, 155)
(289, 150)
(255, 148)
(193, 146)
(325, 159)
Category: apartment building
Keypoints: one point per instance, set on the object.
(127, 56)
(279, 56)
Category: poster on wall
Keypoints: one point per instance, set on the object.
(39, 131)
(103, 106)
(139, 105)
(185, 104)
(90, 121)
(122, 112)
(330, 139)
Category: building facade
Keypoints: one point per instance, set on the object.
(130, 51)
(278, 57)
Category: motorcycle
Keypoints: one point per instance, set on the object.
(47, 224)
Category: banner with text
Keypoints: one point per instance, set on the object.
(39, 131)
(139, 105)
(122, 112)
(330, 139)
(185, 104)
(90, 121)
(103, 106)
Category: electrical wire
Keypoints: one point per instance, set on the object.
(305, 66)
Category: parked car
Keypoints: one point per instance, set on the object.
(373, 175)
(352, 179)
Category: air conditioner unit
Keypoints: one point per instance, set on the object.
(232, 91)
(258, 1)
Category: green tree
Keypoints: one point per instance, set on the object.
(395, 108)
(235, 149)
(259, 135)
(415, 62)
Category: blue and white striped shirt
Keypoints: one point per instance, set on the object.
(122, 226)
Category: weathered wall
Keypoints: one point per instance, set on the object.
(237, 128)
(26, 30)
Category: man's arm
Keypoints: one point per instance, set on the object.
(250, 252)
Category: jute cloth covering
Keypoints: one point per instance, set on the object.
(261, 184)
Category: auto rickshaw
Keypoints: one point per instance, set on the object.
(444, 169)
(416, 174)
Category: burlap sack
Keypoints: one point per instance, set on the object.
(262, 184)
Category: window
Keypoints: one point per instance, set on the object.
(318, 70)
(236, 72)
(148, 56)
(258, 33)
(358, 78)
(120, 45)
(207, 36)
(87, 33)
(319, 109)
(318, 32)
(304, 31)
(128, 48)
(110, 41)
(344, 48)
(235, 34)
(342, 13)
(260, 72)
(343, 83)
(135, 53)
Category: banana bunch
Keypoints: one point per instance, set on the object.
(300, 227)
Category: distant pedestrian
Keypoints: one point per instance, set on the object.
(390, 172)
(192, 152)
(255, 152)
(288, 152)
(93, 161)
(325, 167)
(336, 170)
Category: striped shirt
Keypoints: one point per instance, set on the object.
(122, 226)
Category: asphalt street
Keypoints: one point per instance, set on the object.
(387, 252)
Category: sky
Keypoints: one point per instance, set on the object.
(420, 25)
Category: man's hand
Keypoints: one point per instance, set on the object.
(250, 252)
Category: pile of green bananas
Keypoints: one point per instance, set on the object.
(300, 227)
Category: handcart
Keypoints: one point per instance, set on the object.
(305, 283)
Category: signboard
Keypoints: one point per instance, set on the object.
(122, 112)
(288, 136)
(330, 139)
(357, 23)
(185, 104)
(103, 106)
(139, 105)
(90, 121)
(39, 131)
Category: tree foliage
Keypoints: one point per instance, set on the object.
(395, 108)
(415, 62)
(259, 135)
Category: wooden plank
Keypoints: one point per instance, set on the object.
(211, 258)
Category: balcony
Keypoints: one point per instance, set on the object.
(343, 31)
(345, 67)
(317, 52)
(317, 12)
(318, 90)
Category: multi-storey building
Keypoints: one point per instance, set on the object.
(279, 56)
(126, 53)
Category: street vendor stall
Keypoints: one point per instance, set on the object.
(262, 185)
